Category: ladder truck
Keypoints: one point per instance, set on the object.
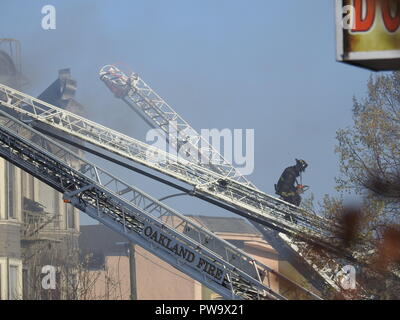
(158, 114)
(141, 98)
(249, 202)
(236, 196)
(137, 216)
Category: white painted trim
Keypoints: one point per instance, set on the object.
(11, 222)
(17, 200)
(373, 55)
(18, 194)
(339, 31)
(36, 184)
(3, 278)
(5, 264)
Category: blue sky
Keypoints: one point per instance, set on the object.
(260, 64)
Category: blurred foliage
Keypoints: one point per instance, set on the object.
(369, 159)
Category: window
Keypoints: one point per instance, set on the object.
(27, 182)
(96, 261)
(13, 285)
(49, 198)
(10, 182)
(70, 217)
(25, 286)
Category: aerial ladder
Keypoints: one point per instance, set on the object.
(137, 216)
(158, 114)
(206, 183)
(232, 195)
(141, 98)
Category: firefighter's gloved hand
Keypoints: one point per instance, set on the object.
(300, 188)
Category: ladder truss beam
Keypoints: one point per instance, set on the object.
(136, 215)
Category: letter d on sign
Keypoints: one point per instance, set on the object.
(49, 280)
(364, 15)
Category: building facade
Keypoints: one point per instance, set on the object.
(138, 274)
(35, 224)
(24, 230)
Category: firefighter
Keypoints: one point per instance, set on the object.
(288, 187)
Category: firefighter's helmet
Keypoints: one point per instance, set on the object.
(301, 164)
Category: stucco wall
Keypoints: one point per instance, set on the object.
(157, 280)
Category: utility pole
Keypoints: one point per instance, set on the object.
(132, 271)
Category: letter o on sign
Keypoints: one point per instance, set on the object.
(148, 231)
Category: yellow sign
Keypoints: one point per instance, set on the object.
(368, 33)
